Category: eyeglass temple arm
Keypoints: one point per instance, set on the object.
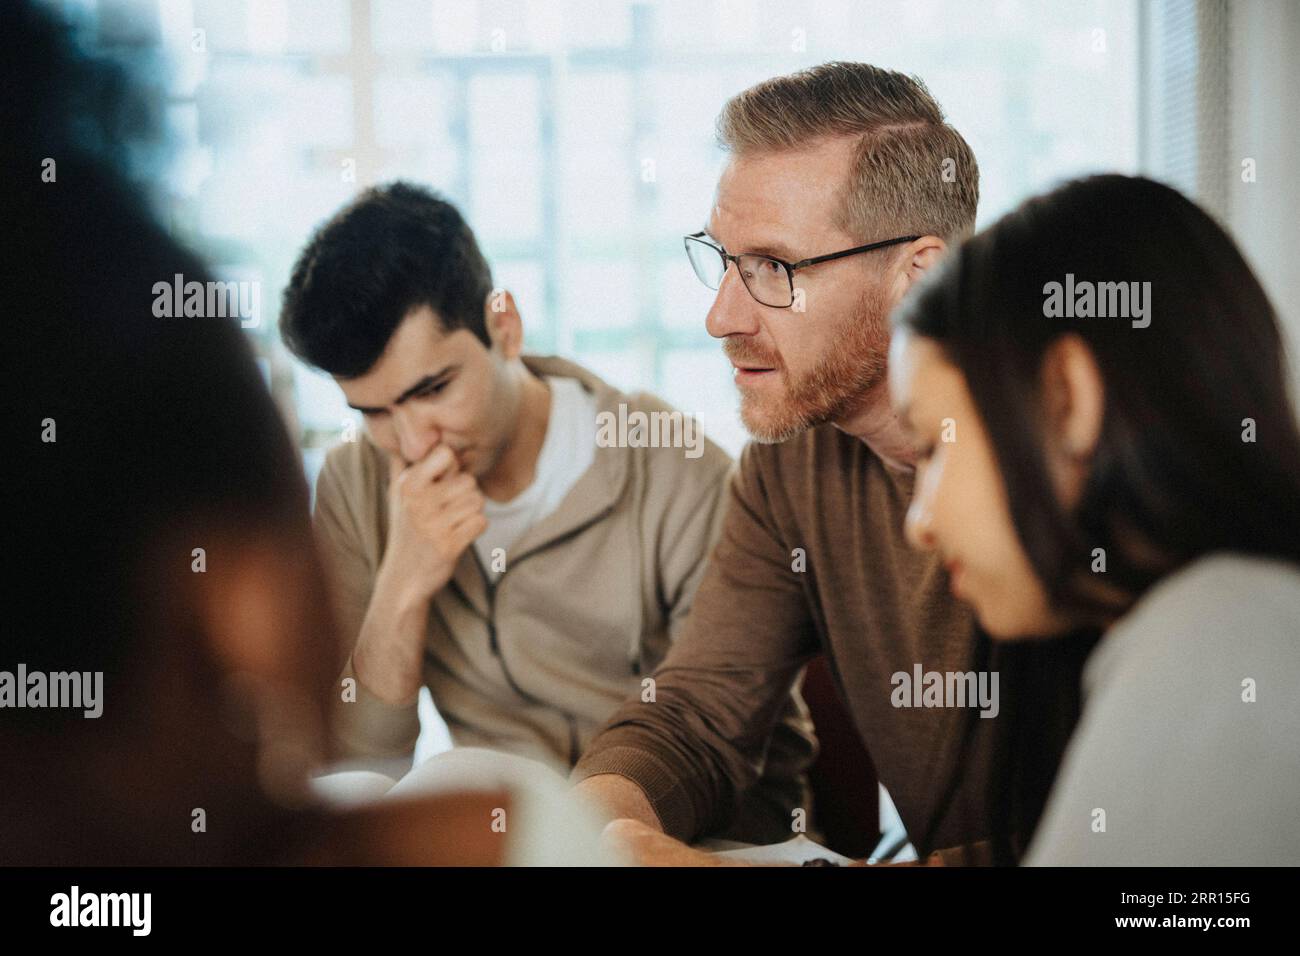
(852, 252)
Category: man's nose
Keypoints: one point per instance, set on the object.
(734, 310)
(415, 439)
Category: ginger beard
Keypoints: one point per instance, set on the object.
(854, 362)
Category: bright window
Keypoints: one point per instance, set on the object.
(577, 138)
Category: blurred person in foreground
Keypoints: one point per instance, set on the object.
(163, 564)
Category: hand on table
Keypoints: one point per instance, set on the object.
(646, 846)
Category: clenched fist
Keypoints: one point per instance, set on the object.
(435, 511)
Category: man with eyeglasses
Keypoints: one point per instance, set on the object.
(843, 187)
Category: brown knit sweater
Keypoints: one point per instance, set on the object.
(872, 603)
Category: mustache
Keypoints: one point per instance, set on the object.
(741, 351)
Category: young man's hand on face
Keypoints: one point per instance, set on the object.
(435, 511)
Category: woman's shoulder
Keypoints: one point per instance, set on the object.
(1222, 604)
(1223, 574)
(1184, 753)
(1223, 585)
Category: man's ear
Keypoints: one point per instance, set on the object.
(920, 256)
(1073, 396)
(504, 325)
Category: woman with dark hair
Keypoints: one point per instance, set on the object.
(1096, 387)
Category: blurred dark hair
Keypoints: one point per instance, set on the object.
(1170, 465)
(61, 98)
(1171, 478)
(160, 424)
(394, 248)
(1041, 698)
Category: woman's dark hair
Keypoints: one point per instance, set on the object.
(1040, 697)
(394, 248)
(1175, 474)
(1172, 465)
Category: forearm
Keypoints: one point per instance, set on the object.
(618, 798)
(389, 653)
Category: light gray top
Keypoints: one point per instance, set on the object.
(1188, 769)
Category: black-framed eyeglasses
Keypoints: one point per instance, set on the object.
(769, 280)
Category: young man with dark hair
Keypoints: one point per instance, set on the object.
(486, 539)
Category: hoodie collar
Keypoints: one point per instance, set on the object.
(593, 496)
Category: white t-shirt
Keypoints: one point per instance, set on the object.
(567, 451)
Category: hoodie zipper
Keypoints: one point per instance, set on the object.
(494, 643)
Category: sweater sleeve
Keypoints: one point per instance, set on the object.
(691, 526)
(702, 741)
(362, 724)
